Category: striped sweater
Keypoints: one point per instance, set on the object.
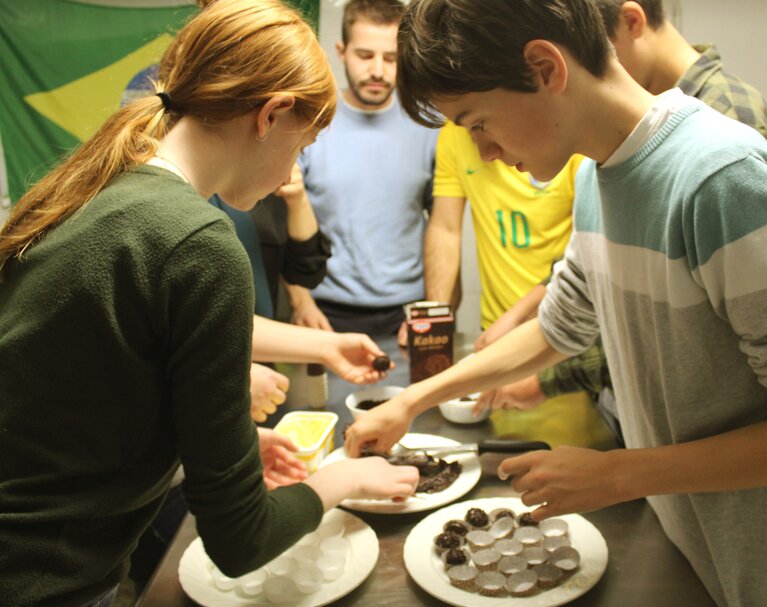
(668, 261)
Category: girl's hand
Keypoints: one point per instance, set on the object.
(351, 355)
(267, 391)
(281, 467)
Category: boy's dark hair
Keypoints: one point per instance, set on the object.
(454, 47)
(611, 10)
(380, 12)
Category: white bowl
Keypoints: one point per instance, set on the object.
(460, 411)
(372, 393)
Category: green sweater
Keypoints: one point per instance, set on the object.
(125, 339)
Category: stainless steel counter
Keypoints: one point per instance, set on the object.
(643, 569)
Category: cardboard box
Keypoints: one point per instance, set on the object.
(430, 331)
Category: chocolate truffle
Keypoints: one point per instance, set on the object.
(501, 513)
(477, 518)
(526, 519)
(381, 363)
(446, 541)
(456, 526)
(456, 556)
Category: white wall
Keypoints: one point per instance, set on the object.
(736, 27)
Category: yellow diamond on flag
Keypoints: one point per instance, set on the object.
(81, 106)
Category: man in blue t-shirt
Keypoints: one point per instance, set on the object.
(368, 177)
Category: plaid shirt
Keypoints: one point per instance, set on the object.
(727, 94)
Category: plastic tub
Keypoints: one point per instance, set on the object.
(311, 432)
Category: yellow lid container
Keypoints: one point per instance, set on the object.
(311, 432)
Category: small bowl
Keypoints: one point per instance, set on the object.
(460, 411)
(372, 393)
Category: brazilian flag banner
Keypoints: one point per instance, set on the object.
(66, 65)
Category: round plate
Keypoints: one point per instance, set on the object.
(427, 569)
(195, 578)
(472, 470)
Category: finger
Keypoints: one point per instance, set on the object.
(269, 408)
(278, 397)
(480, 405)
(283, 383)
(514, 466)
(548, 510)
(533, 498)
(280, 441)
(270, 484)
(372, 347)
(257, 415)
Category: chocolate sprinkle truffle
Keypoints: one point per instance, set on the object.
(477, 518)
(456, 556)
(456, 526)
(446, 541)
(502, 513)
(526, 519)
(381, 363)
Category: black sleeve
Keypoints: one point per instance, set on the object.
(305, 262)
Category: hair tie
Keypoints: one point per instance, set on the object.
(165, 98)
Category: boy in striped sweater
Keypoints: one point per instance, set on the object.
(667, 261)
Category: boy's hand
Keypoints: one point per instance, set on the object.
(523, 395)
(565, 480)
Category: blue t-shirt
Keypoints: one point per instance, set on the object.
(368, 177)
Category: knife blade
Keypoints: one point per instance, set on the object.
(484, 446)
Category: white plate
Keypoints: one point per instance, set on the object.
(427, 569)
(194, 570)
(472, 470)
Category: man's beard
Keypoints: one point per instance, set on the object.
(376, 102)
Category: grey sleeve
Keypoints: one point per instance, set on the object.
(566, 314)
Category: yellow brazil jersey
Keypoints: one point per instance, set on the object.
(522, 225)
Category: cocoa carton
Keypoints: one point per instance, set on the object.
(430, 330)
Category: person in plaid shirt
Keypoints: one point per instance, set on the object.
(658, 57)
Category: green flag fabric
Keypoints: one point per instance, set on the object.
(66, 65)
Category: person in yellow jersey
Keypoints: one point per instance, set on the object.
(522, 226)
